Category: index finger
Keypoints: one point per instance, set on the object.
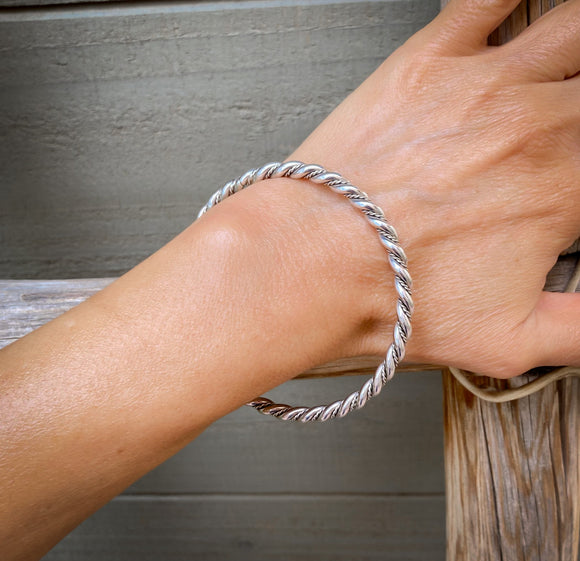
(549, 50)
(465, 25)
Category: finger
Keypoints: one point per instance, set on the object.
(557, 103)
(466, 24)
(550, 48)
(557, 330)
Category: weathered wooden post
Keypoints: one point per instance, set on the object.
(512, 470)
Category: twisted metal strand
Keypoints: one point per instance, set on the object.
(397, 261)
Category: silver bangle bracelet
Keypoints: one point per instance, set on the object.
(397, 260)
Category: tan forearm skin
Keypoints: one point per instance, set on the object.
(472, 151)
(100, 396)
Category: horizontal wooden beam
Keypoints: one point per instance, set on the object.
(25, 305)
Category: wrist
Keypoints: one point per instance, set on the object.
(329, 268)
(421, 216)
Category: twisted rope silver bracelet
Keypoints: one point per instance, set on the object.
(397, 260)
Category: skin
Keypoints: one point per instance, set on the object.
(472, 151)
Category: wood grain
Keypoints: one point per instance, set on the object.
(512, 473)
(511, 469)
(118, 121)
(254, 528)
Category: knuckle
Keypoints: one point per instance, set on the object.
(537, 130)
(416, 72)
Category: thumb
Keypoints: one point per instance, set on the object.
(557, 330)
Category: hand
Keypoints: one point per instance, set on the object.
(474, 154)
(472, 151)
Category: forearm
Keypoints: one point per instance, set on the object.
(243, 300)
(461, 146)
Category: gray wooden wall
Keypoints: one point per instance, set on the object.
(117, 120)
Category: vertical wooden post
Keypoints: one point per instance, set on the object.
(512, 471)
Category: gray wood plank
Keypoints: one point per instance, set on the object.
(26, 305)
(369, 454)
(393, 445)
(117, 123)
(269, 455)
(241, 528)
